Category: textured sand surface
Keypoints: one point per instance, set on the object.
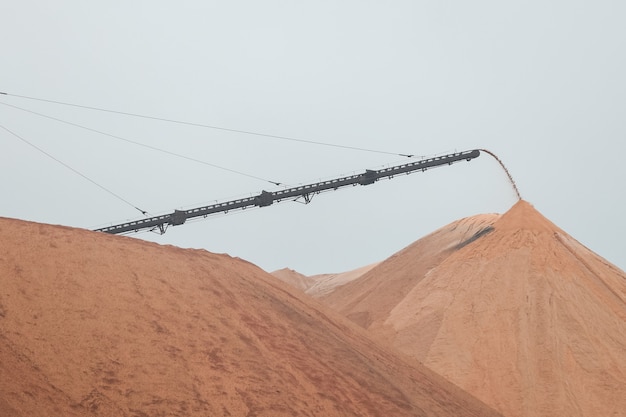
(511, 309)
(99, 325)
(370, 298)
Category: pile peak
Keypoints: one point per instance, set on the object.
(523, 216)
(510, 308)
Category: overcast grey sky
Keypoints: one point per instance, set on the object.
(540, 83)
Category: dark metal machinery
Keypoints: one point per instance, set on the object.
(267, 198)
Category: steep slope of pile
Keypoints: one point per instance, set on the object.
(369, 299)
(99, 325)
(522, 316)
(25, 391)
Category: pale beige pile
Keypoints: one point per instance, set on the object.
(510, 308)
(321, 284)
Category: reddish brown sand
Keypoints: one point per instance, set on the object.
(511, 309)
(99, 325)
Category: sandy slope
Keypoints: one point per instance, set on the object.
(25, 390)
(524, 317)
(370, 298)
(100, 325)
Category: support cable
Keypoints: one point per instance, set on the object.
(224, 129)
(154, 148)
(74, 170)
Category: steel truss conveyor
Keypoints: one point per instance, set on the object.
(267, 198)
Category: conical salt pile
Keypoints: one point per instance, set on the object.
(511, 309)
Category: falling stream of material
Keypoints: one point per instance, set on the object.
(508, 174)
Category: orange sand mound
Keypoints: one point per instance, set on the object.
(511, 309)
(99, 325)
